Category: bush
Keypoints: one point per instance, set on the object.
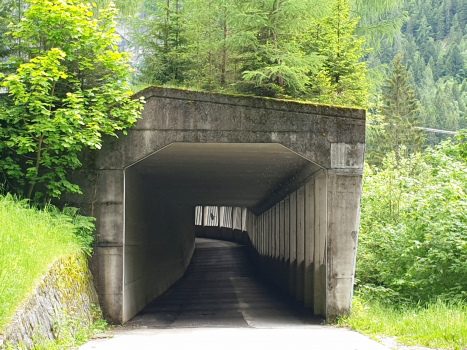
(413, 240)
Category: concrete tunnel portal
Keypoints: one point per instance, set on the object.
(296, 167)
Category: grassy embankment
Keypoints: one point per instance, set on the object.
(30, 241)
(439, 325)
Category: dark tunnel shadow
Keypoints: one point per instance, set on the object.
(222, 287)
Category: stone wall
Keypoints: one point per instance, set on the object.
(66, 295)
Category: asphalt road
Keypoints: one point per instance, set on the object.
(221, 303)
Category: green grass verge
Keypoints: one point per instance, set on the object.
(30, 241)
(441, 325)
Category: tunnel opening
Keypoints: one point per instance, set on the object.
(163, 196)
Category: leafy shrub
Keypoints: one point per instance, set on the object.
(413, 238)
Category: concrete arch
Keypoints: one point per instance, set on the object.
(326, 145)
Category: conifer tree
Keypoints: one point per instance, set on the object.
(342, 79)
(400, 113)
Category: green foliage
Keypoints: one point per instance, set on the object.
(275, 48)
(440, 325)
(395, 130)
(433, 42)
(68, 90)
(31, 240)
(342, 77)
(412, 241)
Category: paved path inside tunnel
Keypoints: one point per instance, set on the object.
(220, 303)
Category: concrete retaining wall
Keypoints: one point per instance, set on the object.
(159, 243)
(65, 295)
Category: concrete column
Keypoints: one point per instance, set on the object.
(293, 244)
(287, 231)
(269, 232)
(309, 241)
(263, 230)
(344, 190)
(205, 216)
(277, 226)
(272, 231)
(281, 207)
(108, 255)
(244, 218)
(260, 232)
(321, 225)
(221, 216)
(300, 244)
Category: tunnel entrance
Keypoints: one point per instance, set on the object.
(163, 189)
(296, 167)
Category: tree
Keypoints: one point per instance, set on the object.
(400, 114)
(342, 78)
(68, 90)
(280, 64)
(160, 32)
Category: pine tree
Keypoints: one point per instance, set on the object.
(400, 112)
(162, 37)
(342, 79)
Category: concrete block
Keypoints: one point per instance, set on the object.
(110, 270)
(109, 186)
(109, 224)
(345, 156)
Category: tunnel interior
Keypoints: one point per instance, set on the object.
(162, 190)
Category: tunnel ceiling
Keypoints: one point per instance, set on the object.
(229, 174)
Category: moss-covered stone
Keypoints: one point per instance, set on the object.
(65, 293)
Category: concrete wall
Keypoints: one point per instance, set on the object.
(159, 242)
(306, 244)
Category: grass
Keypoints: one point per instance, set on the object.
(441, 324)
(30, 241)
(70, 334)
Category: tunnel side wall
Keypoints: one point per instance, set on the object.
(307, 243)
(159, 243)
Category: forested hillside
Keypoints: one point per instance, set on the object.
(433, 43)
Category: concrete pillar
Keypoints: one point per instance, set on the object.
(321, 225)
(281, 207)
(108, 255)
(221, 216)
(293, 244)
(263, 224)
(344, 190)
(272, 231)
(300, 274)
(244, 218)
(287, 230)
(277, 226)
(269, 232)
(260, 232)
(309, 241)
